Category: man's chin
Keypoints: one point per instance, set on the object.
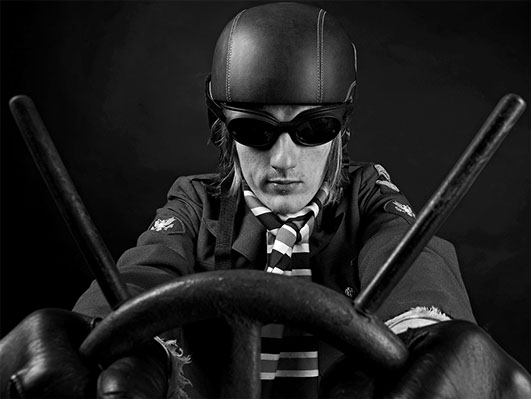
(285, 205)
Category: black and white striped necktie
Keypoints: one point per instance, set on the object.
(289, 358)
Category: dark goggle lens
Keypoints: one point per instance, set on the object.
(257, 133)
(318, 131)
(252, 132)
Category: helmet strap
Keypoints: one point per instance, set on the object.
(225, 233)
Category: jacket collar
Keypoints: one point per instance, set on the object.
(326, 226)
(249, 234)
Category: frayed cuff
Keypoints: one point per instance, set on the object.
(416, 317)
(176, 360)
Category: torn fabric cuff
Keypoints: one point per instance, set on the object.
(416, 317)
(176, 360)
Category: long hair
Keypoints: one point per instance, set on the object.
(229, 171)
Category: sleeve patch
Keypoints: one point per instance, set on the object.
(404, 210)
(388, 184)
(382, 172)
(170, 225)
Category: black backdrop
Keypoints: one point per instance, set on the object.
(119, 85)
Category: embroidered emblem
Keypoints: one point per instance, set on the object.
(163, 224)
(401, 209)
(404, 209)
(382, 172)
(388, 184)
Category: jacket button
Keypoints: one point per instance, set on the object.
(350, 292)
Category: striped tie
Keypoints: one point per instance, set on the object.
(289, 362)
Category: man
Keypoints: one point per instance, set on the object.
(288, 201)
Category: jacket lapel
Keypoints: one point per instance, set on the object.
(249, 233)
(327, 223)
(250, 239)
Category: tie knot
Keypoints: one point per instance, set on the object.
(287, 234)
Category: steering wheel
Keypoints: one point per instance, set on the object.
(246, 299)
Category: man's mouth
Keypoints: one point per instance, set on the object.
(283, 182)
(283, 186)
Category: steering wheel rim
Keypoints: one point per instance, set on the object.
(246, 299)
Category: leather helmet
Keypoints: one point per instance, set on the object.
(283, 53)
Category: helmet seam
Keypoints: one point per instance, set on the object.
(229, 56)
(355, 58)
(349, 91)
(353, 85)
(320, 40)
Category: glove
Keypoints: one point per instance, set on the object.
(451, 359)
(144, 375)
(39, 359)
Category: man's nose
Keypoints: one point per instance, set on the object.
(284, 153)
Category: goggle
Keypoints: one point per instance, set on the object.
(261, 130)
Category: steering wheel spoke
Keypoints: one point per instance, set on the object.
(241, 377)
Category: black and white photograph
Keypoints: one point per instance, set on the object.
(259, 199)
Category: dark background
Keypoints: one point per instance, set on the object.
(120, 87)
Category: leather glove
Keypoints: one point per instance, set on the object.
(144, 375)
(39, 359)
(451, 359)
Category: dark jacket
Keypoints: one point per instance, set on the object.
(351, 240)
